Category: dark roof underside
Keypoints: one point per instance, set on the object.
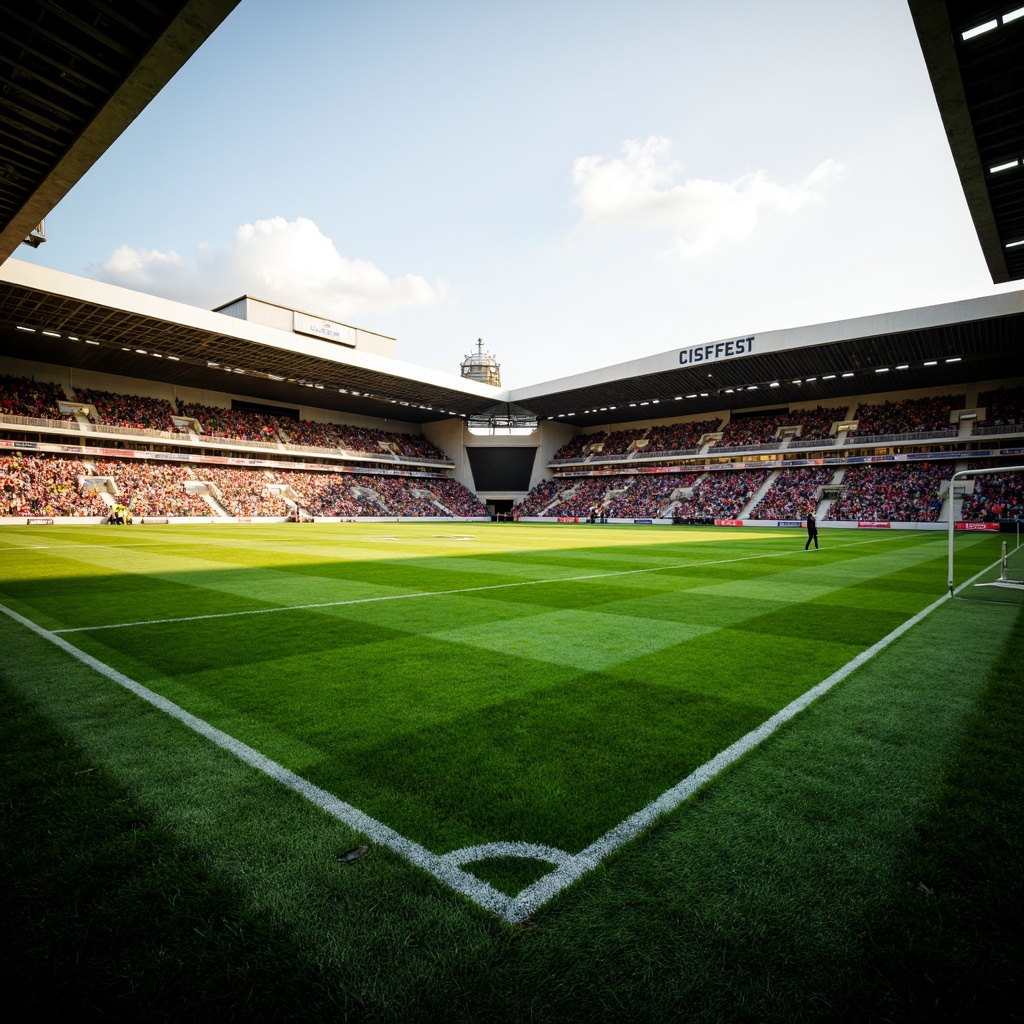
(979, 87)
(72, 78)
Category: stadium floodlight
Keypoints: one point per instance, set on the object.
(882, 369)
(978, 30)
(31, 330)
(1003, 167)
(51, 334)
(829, 376)
(931, 362)
(1013, 15)
(953, 359)
(1013, 245)
(849, 373)
(89, 341)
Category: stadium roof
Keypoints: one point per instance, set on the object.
(57, 318)
(974, 50)
(52, 317)
(70, 83)
(72, 78)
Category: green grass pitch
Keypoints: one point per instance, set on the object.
(467, 685)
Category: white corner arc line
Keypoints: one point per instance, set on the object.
(446, 868)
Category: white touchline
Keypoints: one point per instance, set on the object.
(428, 593)
(447, 868)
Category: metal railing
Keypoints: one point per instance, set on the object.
(910, 435)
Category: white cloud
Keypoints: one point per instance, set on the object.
(641, 190)
(290, 262)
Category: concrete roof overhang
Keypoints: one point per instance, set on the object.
(936, 346)
(72, 78)
(85, 324)
(979, 86)
(52, 317)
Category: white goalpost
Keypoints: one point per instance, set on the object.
(1004, 579)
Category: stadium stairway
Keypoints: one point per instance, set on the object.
(759, 494)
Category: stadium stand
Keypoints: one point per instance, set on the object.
(907, 416)
(907, 493)
(46, 485)
(792, 494)
(22, 396)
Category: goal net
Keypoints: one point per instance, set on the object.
(986, 554)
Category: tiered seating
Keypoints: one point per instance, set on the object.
(817, 422)
(722, 495)
(1003, 407)
(577, 447)
(323, 494)
(129, 410)
(749, 430)
(647, 494)
(907, 493)
(996, 496)
(46, 485)
(618, 441)
(231, 423)
(541, 496)
(674, 437)
(909, 415)
(309, 432)
(244, 491)
(588, 493)
(455, 497)
(153, 489)
(792, 494)
(22, 396)
(382, 442)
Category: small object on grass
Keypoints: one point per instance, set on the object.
(924, 888)
(351, 855)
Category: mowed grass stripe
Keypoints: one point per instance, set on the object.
(446, 739)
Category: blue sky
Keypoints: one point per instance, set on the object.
(575, 181)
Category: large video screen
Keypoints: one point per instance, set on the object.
(501, 469)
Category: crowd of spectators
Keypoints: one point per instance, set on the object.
(236, 424)
(792, 494)
(995, 496)
(25, 396)
(541, 496)
(579, 446)
(674, 437)
(153, 488)
(746, 430)
(580, 499)
(1003, 407)
(46, 486)
(906, 493)
(128, 410)
(646, 495)
(311, 433)
(244, 492)
(722, 495)
(817, 422)
(908, 415)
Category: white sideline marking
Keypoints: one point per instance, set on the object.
(447, 868)
(424, 593)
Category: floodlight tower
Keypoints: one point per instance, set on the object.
(482, 366)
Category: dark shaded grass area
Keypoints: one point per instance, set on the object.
(106, 916)
(951, 947)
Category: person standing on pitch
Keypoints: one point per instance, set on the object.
(812, 531)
